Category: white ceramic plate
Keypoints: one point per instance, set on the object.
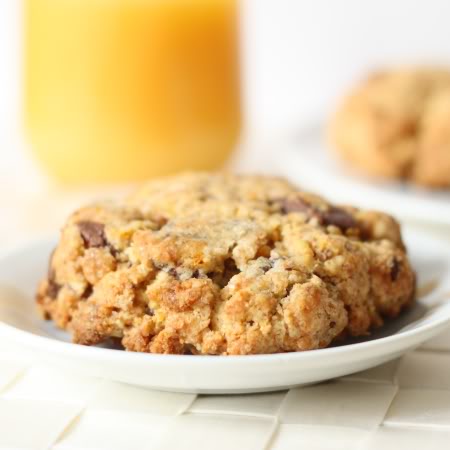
(19, 323)
(307, 161)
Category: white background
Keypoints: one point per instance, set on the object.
(301, 54)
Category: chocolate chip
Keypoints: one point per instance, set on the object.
(53, 288)
(332, 216)
(87, 292)
(289, 205)
(395, 269)
(251, 323)
(266, 264)
(189, 349)
(160, 221)
(339, 218)
(93, 233)
(112, 250)
(150, 311)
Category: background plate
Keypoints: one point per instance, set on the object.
(307, 161)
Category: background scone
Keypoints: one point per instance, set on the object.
(223, 264)
(397, 124)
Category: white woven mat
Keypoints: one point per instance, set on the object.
(402, 404)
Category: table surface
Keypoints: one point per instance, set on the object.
(402, 404)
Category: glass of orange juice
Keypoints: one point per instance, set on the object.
(120, 90)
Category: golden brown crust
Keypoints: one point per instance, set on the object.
(396, 124)
(231, 265)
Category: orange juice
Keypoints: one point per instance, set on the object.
(126, 89)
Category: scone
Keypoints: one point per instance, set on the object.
(225, 265)
(397, 125)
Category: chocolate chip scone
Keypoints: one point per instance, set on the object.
(397, 125)
(225, 265)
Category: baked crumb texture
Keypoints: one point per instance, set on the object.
(225, 265)
(397, 125)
